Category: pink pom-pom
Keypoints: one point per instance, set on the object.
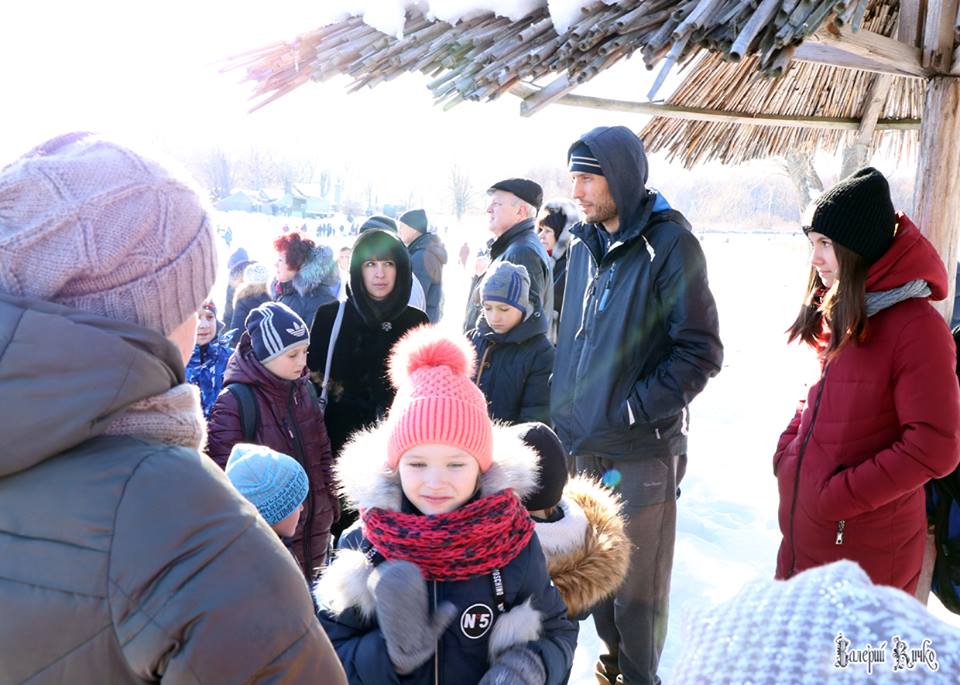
(425, 347)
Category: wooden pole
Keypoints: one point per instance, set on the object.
(936, 199)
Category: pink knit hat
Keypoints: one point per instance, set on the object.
(436, 401)
(90, 224)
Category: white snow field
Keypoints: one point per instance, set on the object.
(727, 529)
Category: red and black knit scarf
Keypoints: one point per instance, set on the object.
(477, 538)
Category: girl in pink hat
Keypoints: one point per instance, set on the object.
(442, 579)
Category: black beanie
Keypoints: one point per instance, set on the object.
(379, 221)
(415, 219)
(858, 214)
(553, 465)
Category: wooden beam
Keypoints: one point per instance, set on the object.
(862, 50)
(936, 196)
(939, 34)
(536, 101)
(660, 109)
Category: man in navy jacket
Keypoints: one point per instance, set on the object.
(637, 341)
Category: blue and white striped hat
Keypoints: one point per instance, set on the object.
(507, 283)
(581, 158)
(274, 328)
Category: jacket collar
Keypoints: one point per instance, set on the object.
(501, 243)
(533, 325)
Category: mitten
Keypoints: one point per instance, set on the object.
(516, 666)
(403, 612)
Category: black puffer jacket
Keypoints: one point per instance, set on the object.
(360, 391)
(519, 245)
(513, 369)
(639, 334)
(427, 257)
(316, 283)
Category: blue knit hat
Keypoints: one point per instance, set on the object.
(274, 328)
(507, 283)
(272, 482)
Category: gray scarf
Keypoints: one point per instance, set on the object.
(887, 298)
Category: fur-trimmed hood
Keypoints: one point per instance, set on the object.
(320, 268)
(563, 240)
(251, 290)
(587, 550)
(365, 482)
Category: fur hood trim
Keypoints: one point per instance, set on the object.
(595, 569)
(366, 482)
(570, 211)
(565, 535)
(320, 268)
(251, 290)
(343, 584)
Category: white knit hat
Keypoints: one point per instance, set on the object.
(90, 224)
(808, 630)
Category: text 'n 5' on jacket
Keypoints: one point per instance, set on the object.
(290, 423)
(513, 369)
(882, 421)
(126, 558)
(348, 611)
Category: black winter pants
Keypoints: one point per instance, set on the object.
(633, 623)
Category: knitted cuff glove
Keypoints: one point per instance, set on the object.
(516, 666)
(403, 612)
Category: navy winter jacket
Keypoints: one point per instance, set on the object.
(427, 257)
(639, 334)
(513, 369)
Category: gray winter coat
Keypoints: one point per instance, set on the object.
(427, 257)
(639, 334)
(519, 245)
(124, 560)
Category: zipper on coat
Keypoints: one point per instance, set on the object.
(436, 652)
(841, 524)
(302, 458)
(796, 479)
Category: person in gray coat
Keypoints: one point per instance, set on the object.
(638, 340)
(128, 557)
(427, 257)
(513, 206)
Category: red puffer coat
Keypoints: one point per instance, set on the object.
(290, 422)
(883, 420)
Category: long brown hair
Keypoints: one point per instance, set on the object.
(843, 305)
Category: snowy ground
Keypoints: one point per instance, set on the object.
(727, 531)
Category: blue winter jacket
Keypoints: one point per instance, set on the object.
(348, 614)
(205, 370)
(639, 334)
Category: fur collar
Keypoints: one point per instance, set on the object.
(251, 290)
(593, 570)
(320, 268)
(366, 483)
(565, 535)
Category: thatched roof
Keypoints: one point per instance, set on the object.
(805, 90)
(484, 56)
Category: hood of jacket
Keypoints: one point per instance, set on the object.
(380, 244)
(65, 374)
(366, 482)
(910, 257)
(587, 551)
(243, 367)
(624, 163)
(533, 325)
(563, 240)
(251, 291)
(320, 268)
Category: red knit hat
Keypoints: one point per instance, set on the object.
(436, 401)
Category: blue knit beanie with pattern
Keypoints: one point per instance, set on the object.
(507, 283)
(274, 483)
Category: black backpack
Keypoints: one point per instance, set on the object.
(943, 511)
(249, 411)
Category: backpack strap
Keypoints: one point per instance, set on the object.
(249, 411)
(334, 334)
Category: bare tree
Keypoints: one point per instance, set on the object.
(800, 169)
(461, 191)
(219, 170)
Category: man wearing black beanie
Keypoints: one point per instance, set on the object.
(427, 257)
(637, 341)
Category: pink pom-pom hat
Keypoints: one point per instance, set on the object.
(436, 401)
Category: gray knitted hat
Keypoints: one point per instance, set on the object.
(90, 224)
(507, 283)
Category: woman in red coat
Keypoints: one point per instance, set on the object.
(884, 418)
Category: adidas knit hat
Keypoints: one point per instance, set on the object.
(274, 328)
